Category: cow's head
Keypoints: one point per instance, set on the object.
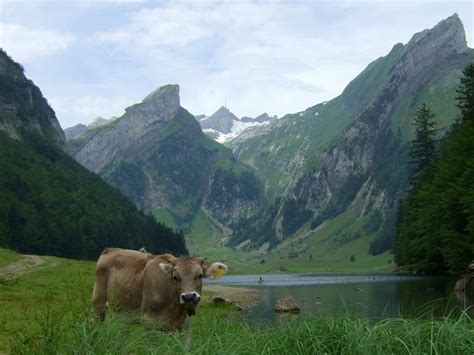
(187, 273)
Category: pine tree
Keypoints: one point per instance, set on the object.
(466, 94)
(422, 149)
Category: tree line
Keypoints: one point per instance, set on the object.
(435, 224)
(49, 204)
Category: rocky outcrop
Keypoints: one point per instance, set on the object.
(23, 109)
(157, 155)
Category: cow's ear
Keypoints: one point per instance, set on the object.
(216, 270)
(166, 268)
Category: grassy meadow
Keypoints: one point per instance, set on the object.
(319, 254)
(47, 311)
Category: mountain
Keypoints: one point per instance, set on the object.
(281, 148)
(221, 120)
(49, 204)
(223, 125)
(157, 155)
(337, 170)
(22, 106)
(99, 121)
(264, 117)
(77, 130)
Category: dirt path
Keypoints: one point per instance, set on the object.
(239, 295)
(20, 267)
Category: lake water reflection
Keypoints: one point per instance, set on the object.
(366, 296)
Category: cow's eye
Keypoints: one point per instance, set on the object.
(200, 276)
(176, 278)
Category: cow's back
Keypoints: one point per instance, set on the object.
(122, 272)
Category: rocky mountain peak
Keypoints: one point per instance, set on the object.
(222, 120)
(429, 49)
(164, 100)
(448, 36)
(223, 111)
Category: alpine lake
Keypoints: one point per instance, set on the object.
(371, 297)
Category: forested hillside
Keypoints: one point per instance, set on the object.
(435, 228)
(49, 204)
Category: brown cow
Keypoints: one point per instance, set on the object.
(164, 289)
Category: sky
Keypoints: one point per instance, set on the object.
(95, 58)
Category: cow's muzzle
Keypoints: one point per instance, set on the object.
(190, 298)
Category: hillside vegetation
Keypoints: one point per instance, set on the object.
(435, 229)
(49, 204)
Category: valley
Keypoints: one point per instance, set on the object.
(312, 189)
(315, 190)
(236, 177)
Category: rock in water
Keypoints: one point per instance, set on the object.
(287, 304)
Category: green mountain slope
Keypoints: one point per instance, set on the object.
(278, 150)
(346, 185)
(157, 155)
(49, 204)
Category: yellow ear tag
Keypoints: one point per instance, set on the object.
(218, 273)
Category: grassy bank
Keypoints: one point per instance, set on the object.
(242, 263)
(47, 311)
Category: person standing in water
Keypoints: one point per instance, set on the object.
(260, 281)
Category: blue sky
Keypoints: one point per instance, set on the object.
(96, 58)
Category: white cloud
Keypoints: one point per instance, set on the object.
(273, 56)
(150, 28)
(27, 44)
(245, 52)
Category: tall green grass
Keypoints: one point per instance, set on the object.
(48, 312)
(219, 331)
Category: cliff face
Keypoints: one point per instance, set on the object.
(23, 108)
(157, 155)
(362, 171)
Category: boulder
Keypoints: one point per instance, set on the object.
(287, 304)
